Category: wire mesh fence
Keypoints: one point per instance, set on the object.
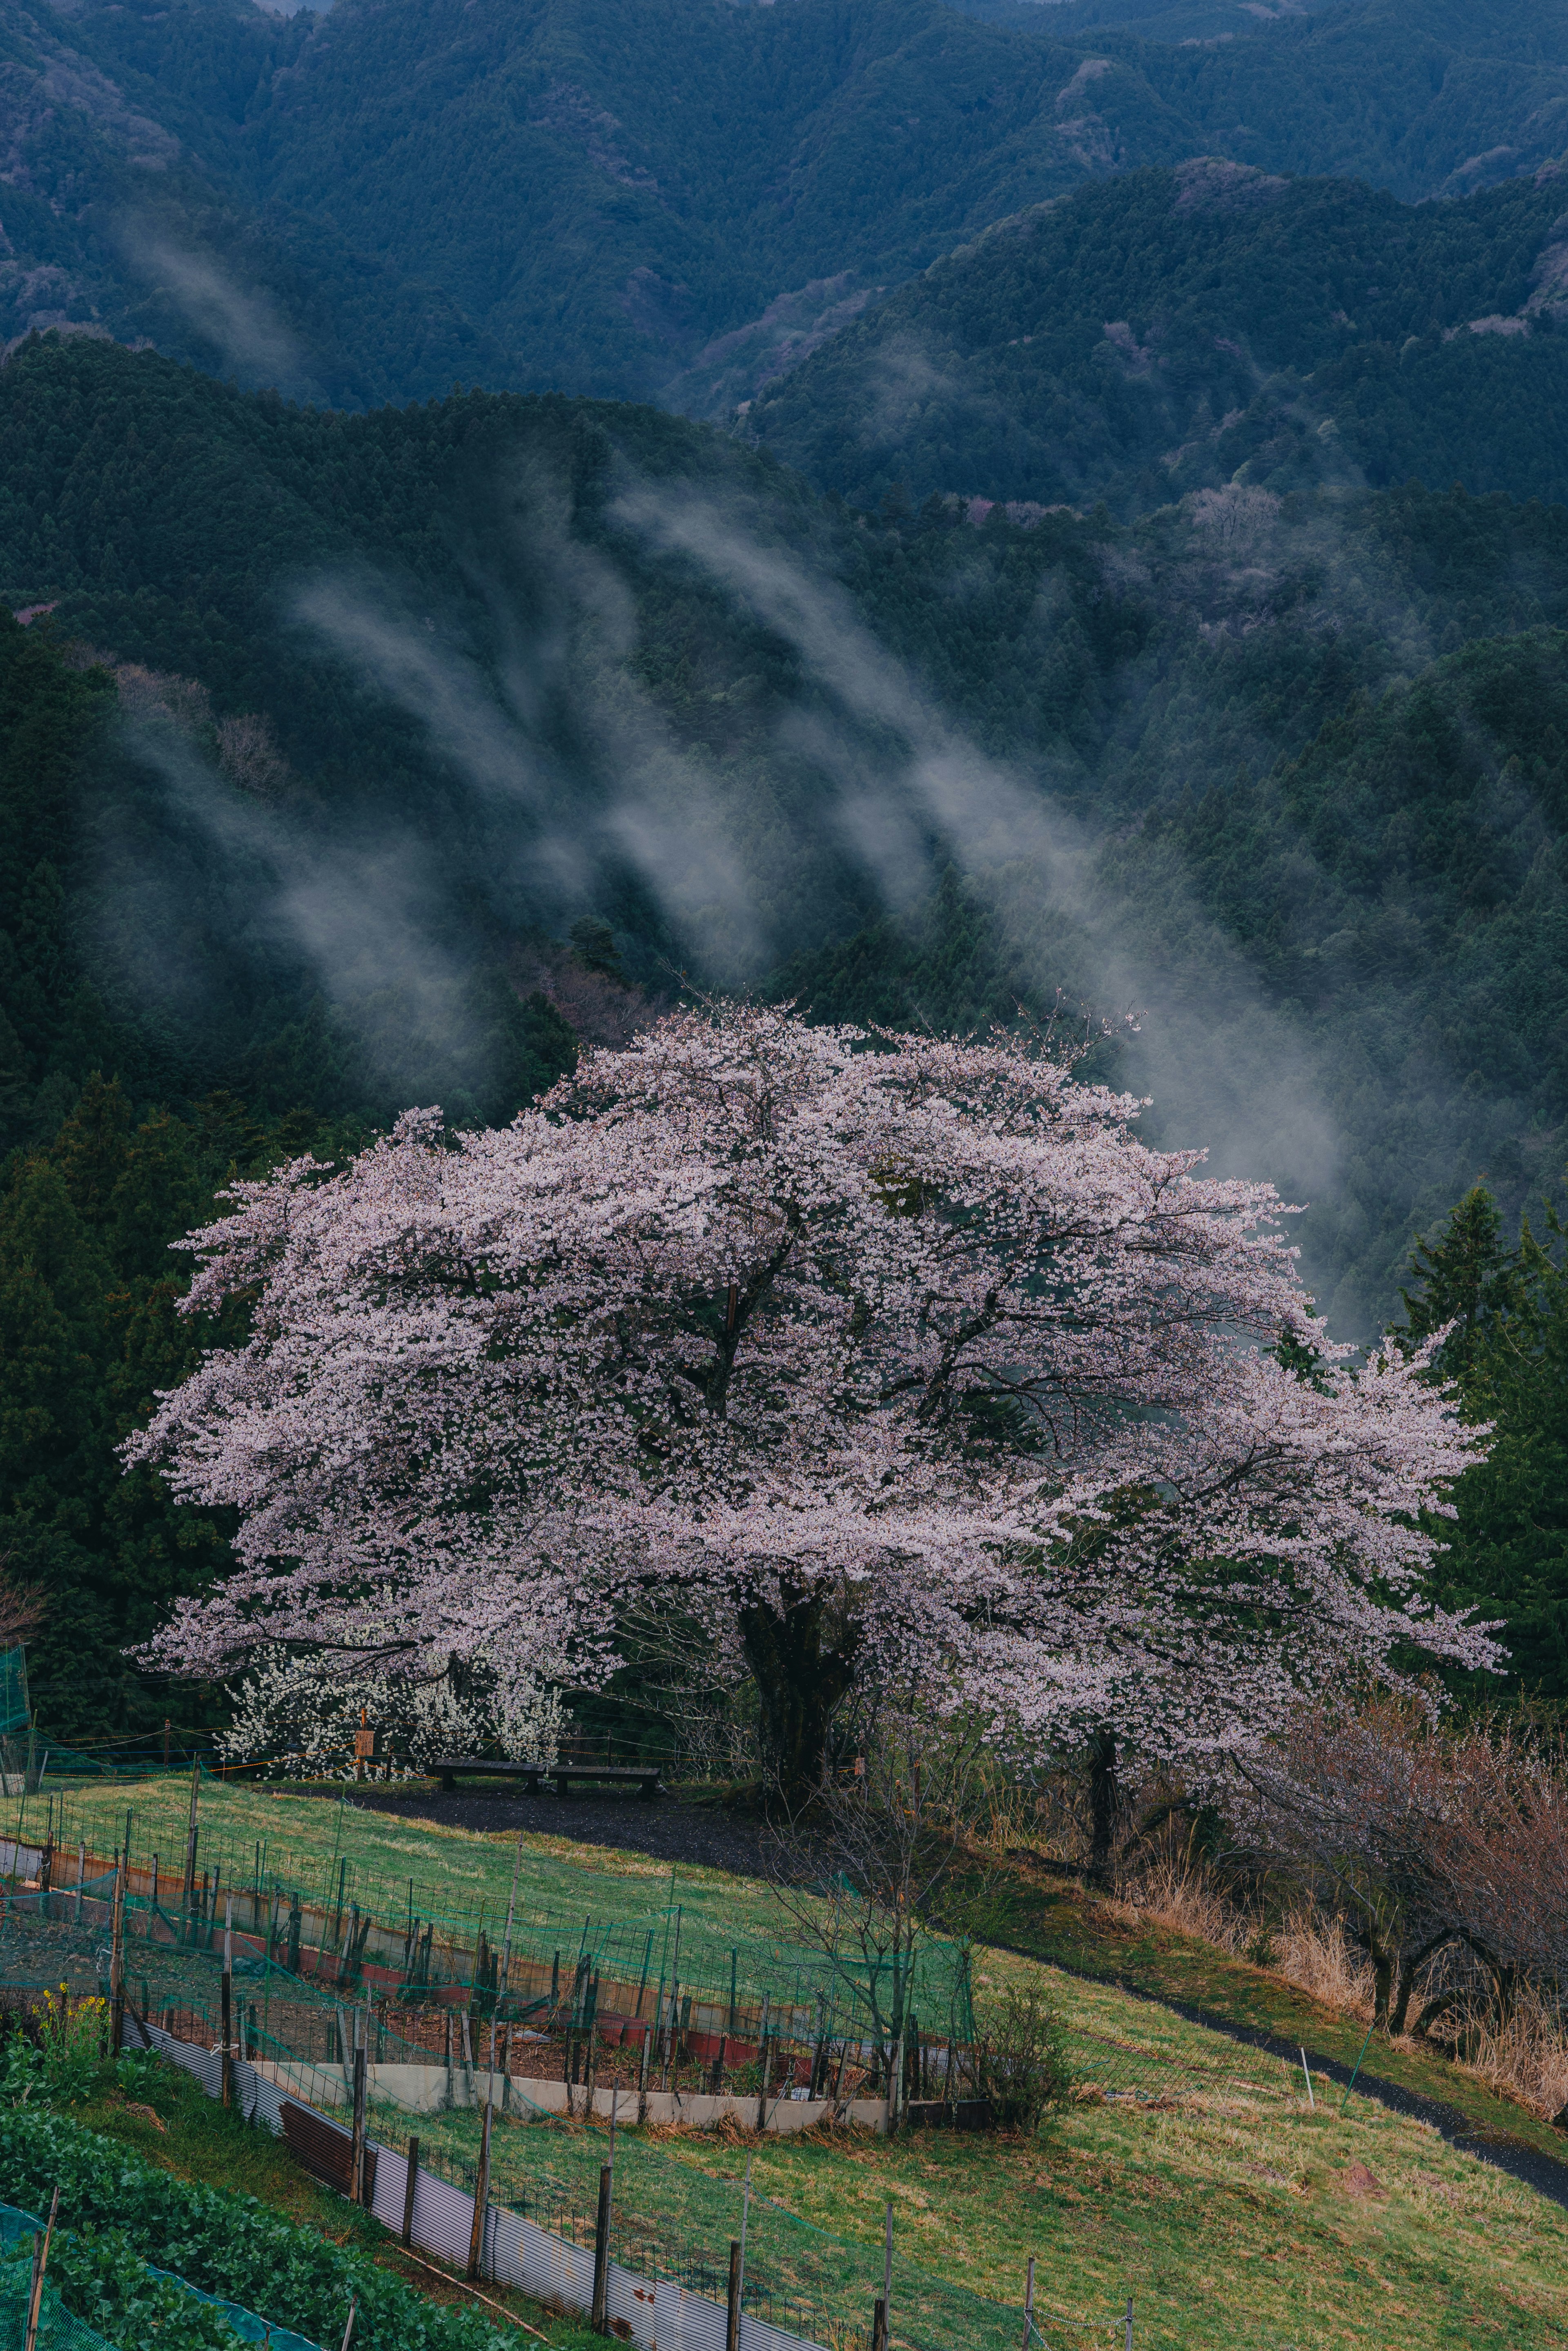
(661, 1997)
(672, 2218)
(557, 2025)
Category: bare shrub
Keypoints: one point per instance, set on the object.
(867, 1871)
(1419, 1836)
(1020, 2059)
(23, 1608)
(1524, 2050)
(249, 755)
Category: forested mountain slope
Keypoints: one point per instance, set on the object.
(122, 215)
(455, 677)
(674, 200)
(1437, 100)
(1168, 330)
(337, 722)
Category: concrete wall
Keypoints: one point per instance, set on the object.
(432, 2090)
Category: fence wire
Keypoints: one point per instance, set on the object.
(339, 1922)
(312, 1981)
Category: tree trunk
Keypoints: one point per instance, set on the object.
(800, 1683)
(1382, 1982)
(1410, 1965)
(1102, 1795)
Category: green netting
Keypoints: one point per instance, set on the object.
(16, 1707)
(245, 2324)
(332, 1923)
(60, 2331)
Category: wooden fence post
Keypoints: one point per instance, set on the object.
(40, 2263)
(732, 2314)
(597, 2318)
(410, 2186)
(481, 2200)
(117, 1965)
(762, 2063)
(357, 2191)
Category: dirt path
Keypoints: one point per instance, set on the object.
(715, 1840)
(695, 1834)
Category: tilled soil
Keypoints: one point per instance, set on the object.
(667, 1830)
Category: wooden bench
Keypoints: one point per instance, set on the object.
(643, 1777)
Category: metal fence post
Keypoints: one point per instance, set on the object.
(1351, 2084)
(226, 1998)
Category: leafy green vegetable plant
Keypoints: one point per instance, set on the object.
(103, 2279)
(225, 2244)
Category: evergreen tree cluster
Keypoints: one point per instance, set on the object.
(1505, 1311)
(1168, 330)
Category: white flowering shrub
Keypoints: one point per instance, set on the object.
(298, 1716)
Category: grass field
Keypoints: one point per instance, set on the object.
(301, 1837)
(450, 1874)
(1235, 2216)
(1232, 2214)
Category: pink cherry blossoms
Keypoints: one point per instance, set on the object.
(899, 1362)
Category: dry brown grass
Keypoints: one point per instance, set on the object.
(1184, 1896)
(1315, 1953)
(1525, 2057)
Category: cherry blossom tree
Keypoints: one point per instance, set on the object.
(896, 1361)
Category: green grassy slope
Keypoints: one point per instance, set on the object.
(1231, 2211)
(1031, 1914)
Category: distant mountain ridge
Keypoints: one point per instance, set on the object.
(1177, 330)
(582, 195)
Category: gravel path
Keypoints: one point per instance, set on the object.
(695, 1834)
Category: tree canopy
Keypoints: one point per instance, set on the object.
(901, 1362)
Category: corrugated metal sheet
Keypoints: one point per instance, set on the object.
(518, 2251)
